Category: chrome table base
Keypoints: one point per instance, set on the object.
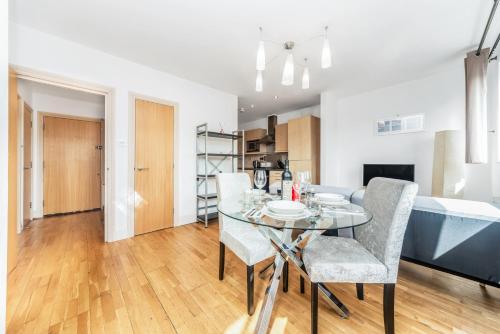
(288, 251)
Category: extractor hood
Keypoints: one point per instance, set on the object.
(271, 126)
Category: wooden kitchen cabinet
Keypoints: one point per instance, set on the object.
(255, 134)
(281, 138)
(304, 146)
(305, 165)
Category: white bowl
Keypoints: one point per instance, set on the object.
(286, 207)
(326, 197)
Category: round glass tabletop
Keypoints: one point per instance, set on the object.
(324, 217)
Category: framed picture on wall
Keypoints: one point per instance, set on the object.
(397, 125)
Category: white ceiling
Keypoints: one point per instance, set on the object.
(374, 43)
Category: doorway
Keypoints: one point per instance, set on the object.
(154, 166)
(72, 111)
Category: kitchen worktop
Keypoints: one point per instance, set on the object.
(265, 168)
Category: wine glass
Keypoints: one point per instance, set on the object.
(304, 181)
(260, 179)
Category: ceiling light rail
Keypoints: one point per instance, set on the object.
(485, 32)
(490, 58)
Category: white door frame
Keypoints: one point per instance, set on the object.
(108, 93)
(20, 152)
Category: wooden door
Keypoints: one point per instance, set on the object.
(154, 163)
(72, 165)
(27, 132)
(13, 172)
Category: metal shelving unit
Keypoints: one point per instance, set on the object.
(213, 163)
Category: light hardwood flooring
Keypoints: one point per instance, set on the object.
(68, 280)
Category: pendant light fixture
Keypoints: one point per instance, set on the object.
(305, 76)
(288, 69)
(261, 54)
(326, 55)
(287, 77)
(258, 82)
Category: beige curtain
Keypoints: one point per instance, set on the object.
(476, 150)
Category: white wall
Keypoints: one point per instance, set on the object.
(57, 104)
(261, 123)
(4, 10)
(55, 100)
(441, 97)
(195, 104)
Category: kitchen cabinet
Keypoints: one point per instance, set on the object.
(304, 146)
(252, 136)
(305, 165)
(255, 134)
(281, 138)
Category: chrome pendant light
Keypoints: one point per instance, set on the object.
(305, 76)
(261, 54)
(287, 77)
(326, 55)
(288, 69)
(258, 82)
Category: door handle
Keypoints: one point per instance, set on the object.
(140, 169)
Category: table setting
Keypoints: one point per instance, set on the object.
(308, 213)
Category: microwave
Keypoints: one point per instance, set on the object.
(253, 146)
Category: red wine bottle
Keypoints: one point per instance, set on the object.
(286, 183)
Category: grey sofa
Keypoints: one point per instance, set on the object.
(456, 236)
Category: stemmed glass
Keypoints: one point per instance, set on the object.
(260, 180)
(304, 181)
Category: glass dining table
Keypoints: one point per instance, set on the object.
(278, 229)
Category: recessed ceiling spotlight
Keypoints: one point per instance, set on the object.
(275, 97)
(252, 106)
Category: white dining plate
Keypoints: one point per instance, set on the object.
(327, 197)
(291, 217)
(286, 207)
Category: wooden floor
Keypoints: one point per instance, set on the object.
(68, 280)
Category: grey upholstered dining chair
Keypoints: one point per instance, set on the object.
(242, 238)
(373, 255)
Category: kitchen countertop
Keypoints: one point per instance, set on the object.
(266, 168)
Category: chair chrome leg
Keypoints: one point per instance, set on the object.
(285, 277)
(222, 253)
(389, 308)
(250, 308)
(314, 308)
(360, 291)
(302, 285)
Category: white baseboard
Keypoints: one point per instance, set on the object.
(184, 220)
